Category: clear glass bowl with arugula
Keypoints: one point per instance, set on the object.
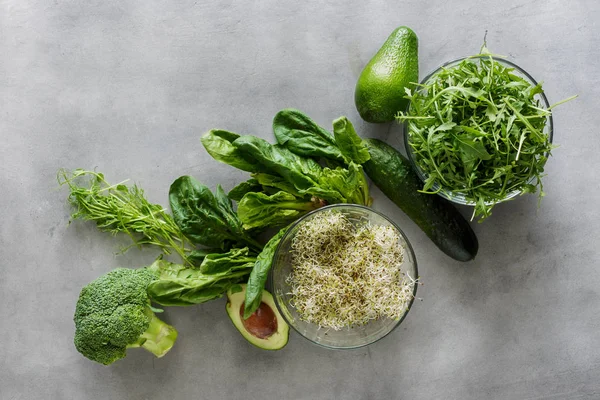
(344, 276)
(478, 131)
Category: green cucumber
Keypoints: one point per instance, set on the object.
(392, 173)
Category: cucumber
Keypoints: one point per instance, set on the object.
(392, 173)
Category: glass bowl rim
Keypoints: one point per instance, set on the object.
(369, 210)
(448, 195)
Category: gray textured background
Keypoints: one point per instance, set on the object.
(129, 86)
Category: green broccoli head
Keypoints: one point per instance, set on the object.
(113, 314)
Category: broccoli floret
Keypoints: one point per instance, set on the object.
(113, 314)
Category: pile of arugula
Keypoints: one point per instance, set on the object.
(477, 129)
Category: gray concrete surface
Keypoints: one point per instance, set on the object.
(128, 87)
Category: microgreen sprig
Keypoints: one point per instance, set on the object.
(122, 209)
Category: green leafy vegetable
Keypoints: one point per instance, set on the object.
(218, 143)
(121, 209)
(477, 129)
(350, 183)
(251, 185)
(258, 210)
(276, 182)
(291, 169)
(234, 259)
(300, 171)
(197, 256)
(350, 144)
(305, 176)
(207, 219)
(259, 274)
(178, 285)
(303, 136)
(287, 180)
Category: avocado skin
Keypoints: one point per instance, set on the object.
(392, 173)
(275, 342)
(379, 93)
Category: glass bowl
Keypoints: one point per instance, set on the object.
(459, 198)
(347, 338)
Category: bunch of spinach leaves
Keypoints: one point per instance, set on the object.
(287, 179)
(207, 219)
(307, 169)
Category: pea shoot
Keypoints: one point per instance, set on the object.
(122, 209)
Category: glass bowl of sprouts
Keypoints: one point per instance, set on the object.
(344, 276)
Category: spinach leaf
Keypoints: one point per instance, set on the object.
(277, 182)
(178, 285)
(233, 260)
(349, 143)
(350, 183)
(218, 143)
(206, 219)
(251, 185)
(259, 210)
(277, 160)
(303, 136)
(259, 274)
(196, 257)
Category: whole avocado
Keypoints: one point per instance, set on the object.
(379, 93)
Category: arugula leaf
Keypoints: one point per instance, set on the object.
(259, 210)
(303, 136)
(471, 151)
(206, 218)
(348, 141)
(446, 126)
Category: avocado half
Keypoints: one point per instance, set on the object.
(265, 328)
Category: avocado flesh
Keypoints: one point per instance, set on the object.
(380, 89)
(266, 328)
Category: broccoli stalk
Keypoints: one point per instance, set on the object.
(158, 338)
(113, 313)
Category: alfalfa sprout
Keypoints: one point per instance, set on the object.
(345, 275)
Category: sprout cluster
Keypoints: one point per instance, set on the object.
(345, 275)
